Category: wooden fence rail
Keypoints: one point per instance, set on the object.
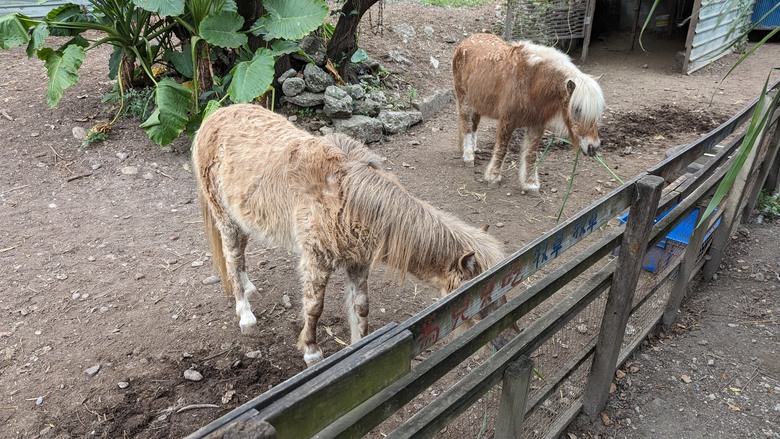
(359, 387)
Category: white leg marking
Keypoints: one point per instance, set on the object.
(312, 356)
(493, 172)
(249, 287)
(247, 320)
(349, 304)
(469, 145)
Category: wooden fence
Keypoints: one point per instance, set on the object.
(603, 307)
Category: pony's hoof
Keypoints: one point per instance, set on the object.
(248, 324)
(250, 330)
(313, 357)
(494, 183)
(531, 192)
(468, 163)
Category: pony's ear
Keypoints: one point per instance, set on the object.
(467, 262)
(570, 86)
(485, 228)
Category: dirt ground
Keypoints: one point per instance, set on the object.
(103, 258)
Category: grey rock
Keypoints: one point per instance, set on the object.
(196, 264)
(449, 39)
(286, 301)
(192, 375)
(121, 155)
(356, 92)
(378, 96)
(130, 170)
(400, 57)
(39, 400)
(211, 280)
(79, 133)
(760, 277)
(433, 104)
(428, 30)
(434, 63)
(306, 99)
(313, 46)
(93, 370)
(286, 75)
(253, 354)
(362, 128)
(338, 104)
(293, 86)
(326, 130)
(404, 30)
(394, 122)
(123, 384)
(368, 107)
(317, 80)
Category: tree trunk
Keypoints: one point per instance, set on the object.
(343, 44)
(127, 72)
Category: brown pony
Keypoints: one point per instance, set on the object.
(522, 85)
(329, 200)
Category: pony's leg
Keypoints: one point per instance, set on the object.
(315, 277)
(503, 136)
(468, 121)
(356, 301)
(528, 157)
(233, 245)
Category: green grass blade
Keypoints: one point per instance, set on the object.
(568, 189)
(757, 124)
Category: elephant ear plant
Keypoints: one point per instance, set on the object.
(184, 35)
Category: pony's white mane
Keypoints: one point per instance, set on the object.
(587, 101)
(410, 234)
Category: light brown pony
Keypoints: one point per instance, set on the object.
(522, 85)
(329, 200)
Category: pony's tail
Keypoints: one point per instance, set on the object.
(214, 239)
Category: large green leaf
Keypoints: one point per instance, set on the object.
(182, 61)
(170, 118)
(754, 130)
(283, 47)
(292, 19)
(252, 78)
(67, 13)
(163, 8)
(38, 37)
(221, 29)
(12, 33)
(62, 68)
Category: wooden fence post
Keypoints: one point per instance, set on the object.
(684, 273)
(621, 293)
(514, 394)
(731, 208)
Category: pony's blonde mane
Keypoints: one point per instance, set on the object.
(587, 102)
(409, 235)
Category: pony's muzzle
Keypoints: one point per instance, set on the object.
(590, 148)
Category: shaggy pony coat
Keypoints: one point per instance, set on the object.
(522, 85)
(329, 200)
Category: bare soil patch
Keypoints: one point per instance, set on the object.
(102, 254)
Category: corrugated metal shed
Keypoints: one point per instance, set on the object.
(717, 24)
(31, 8)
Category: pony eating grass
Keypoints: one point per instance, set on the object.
(329, 200)
(522, 85)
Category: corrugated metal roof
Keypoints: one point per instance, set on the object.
(31, 8)
(719, 24)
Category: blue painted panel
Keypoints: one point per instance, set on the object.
(761, 8)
